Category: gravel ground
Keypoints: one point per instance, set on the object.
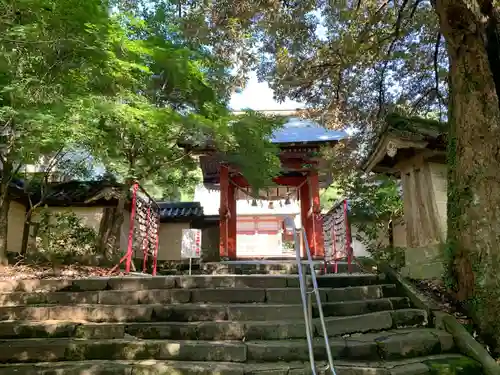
(23, 271)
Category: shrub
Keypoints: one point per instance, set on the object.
(63, 237)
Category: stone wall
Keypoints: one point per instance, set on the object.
(170, 241)
(17, 214)
(423, 262)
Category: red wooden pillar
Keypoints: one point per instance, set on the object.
(305, 207)
(224, 211)
(232, 222)
(316, 219)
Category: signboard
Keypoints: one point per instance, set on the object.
(191, 243)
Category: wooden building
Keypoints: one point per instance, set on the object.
(414, 150)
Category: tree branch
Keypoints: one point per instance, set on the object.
(414, 8)
(420, 100)
(396, 34)
(17, 169)
(436, 73)
(55, 159)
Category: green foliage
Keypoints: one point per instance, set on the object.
(393, 256)
(353, 62)
(248, 147)
(50, 58)
(350, 61)
(169, 99)
(329, 196)
(120, 87)
(63, 238)
(125, 87)
(45, 59)
(374, 202)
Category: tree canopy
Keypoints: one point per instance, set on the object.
(122, 86)
(352, 62)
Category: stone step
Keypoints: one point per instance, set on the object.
(217, 330)
(342, 280)
(185, 282)
(193, 312)
(458, 364)
(268, 267)
(385, 345)
(218, 295)
(147, 282)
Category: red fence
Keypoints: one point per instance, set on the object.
(337, 237)
(143, 234)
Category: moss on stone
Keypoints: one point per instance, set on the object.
(454, 366)
(417, 125)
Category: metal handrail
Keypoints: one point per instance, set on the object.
(289, 222)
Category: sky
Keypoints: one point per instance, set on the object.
(259, 96)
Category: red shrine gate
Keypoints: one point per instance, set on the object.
(307, 187)
(299, 141)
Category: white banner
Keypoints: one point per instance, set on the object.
(191, 243)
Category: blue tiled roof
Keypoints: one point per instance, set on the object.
(180, 210)
(298, 130)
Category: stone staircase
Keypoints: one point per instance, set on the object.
(224, 325)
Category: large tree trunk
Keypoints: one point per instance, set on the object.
(104, 239)
(25, 242)
(471, 33)
(109, 237)
(118, 219)
(4, 211)
(4, 225)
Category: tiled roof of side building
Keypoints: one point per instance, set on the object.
(297, 130)
(170, 211)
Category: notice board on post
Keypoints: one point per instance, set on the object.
(191, 243)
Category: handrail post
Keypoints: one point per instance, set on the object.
(320, 308)
(309, 300)
(303, 293)
(306, 297)
(310, 313)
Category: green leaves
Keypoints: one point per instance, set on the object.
(354, 59)
(124, 87)
(165, 95)
(374, 200)
(250, 148)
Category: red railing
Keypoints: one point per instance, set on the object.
(144, 227)
(337, 237)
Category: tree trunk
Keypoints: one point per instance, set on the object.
(4, 226)
(472, 39)
(4, 211)
(34, 229)
(104, 239)
(118, 217)
(26, 233)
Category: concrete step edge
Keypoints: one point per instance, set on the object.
(319, 341)
(283, 321)
(222, 368)
(200, 295)
(153, 362)
(215, 330)
(200, 305)
(193, 312)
